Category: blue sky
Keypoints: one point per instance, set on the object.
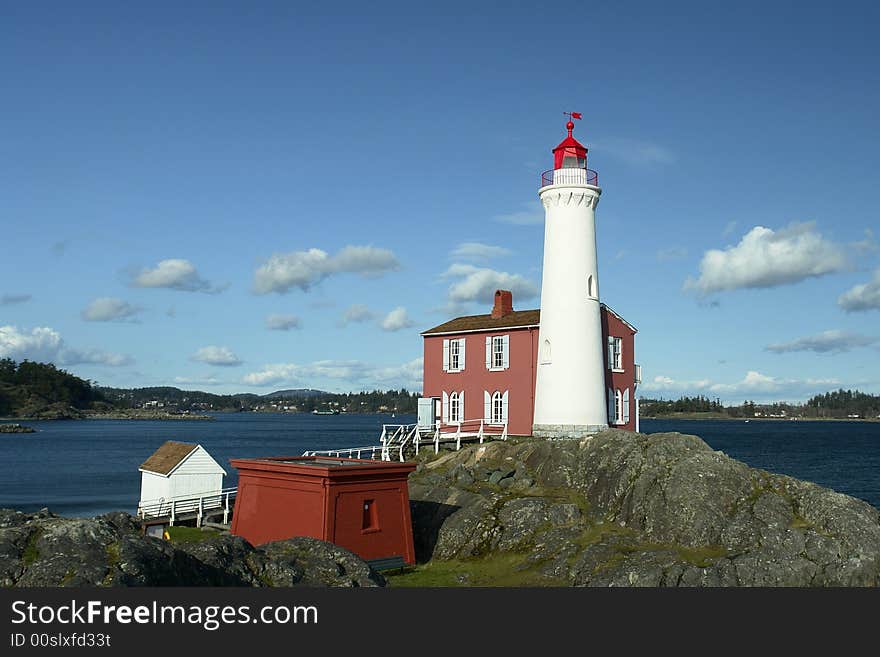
(254, 196)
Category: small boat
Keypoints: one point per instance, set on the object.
(317, 412)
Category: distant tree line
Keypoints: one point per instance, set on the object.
(170, 397)
(27, 387)
(305, 401)
(837, 404)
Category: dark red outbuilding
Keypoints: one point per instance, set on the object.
(359, 504)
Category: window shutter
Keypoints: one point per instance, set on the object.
(506, 351)
(461, 354)
(445, 413)
(488, 353)
(610, 352)
(504, 406)
(626, 406)
(487, 406)
(610, 405)
(461, 415)
(445, 359)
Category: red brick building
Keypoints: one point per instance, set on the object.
(483, 367)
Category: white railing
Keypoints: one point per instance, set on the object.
(368, 452)
(396, 438)
(172, 507)
(478, 428)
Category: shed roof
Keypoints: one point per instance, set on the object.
(167, 457)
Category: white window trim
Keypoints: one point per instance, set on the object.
(448, 346)
(505, 353)
(456, 408)
(612, 341)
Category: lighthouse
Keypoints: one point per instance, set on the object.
(570, 395)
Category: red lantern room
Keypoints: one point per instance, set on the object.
(570, 161)
(570, 154)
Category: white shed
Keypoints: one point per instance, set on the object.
(179, 471)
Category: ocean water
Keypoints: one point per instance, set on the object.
(83, 468)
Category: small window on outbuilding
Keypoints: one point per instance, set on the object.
(370, 517)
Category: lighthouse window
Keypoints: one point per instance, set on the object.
(591, 287)
(545, 352)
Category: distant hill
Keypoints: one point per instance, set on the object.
(298, 393)
(41, 390)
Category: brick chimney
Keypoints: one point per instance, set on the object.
(503, 304)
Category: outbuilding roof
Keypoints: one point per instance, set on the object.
(168, 457)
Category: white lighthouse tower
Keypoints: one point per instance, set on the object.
(570, 384)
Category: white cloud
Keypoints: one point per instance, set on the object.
(175, 274)
(303, 269)
(634, 151)
(672, 253)
(109, 309)
(396, 320)
(754, 385)
(767, 258)
(197, 380)
(532, 214)
(834, 342)
(282, 322)
(865, 296)
(45, 345)
(867, 245)
(94, 357)
(356, 313)
(479, 284)
(219, 356)
(478, 251)
(10, 299)
(340, 373)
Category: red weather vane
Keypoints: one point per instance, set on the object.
(573, 115)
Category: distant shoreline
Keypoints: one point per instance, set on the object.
(760, 419)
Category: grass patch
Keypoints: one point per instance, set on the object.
(507, 569)
(180, 534)
(30, 553)
(799, 522)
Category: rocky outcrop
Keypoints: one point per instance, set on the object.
(625, 509)
(15, 428)
(43, 549)
(143, 414)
